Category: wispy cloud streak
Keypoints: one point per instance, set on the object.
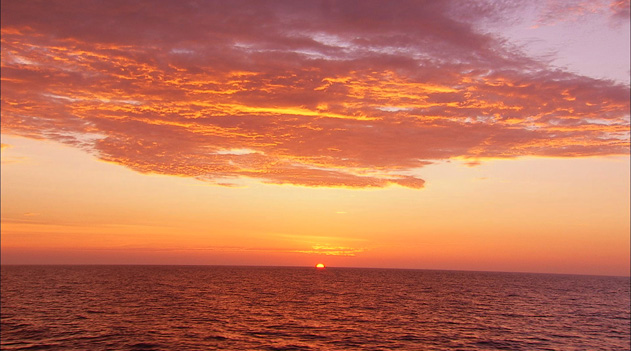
(355, 94)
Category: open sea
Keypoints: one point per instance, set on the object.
(297, 308)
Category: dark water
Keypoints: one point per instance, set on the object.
(261, 308)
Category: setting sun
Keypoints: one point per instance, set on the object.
(448, 159)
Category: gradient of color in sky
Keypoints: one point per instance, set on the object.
(473, 135)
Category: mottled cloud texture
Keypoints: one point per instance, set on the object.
(554, 11)
(314, 93)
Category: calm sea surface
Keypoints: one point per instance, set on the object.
(264, 308)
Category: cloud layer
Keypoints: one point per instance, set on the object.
(355, 94)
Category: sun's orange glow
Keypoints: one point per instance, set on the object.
(320, 265)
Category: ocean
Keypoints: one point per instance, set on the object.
(303, 308)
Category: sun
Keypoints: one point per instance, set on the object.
(320, 265)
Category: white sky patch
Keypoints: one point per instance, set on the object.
(357, 172)
(22, 60)
(394, 108)
(117, 101)
(312, 54)
(60, 97)
(308, 53)
(182, 51)
(88, 138)
(347, 46)
(237, 152)
(331, 40)
(245, 47)
(477, 119)
(605, 122)
(391, 50)
(555, 122)
(486, 119)
(241, 45)
(107, 101)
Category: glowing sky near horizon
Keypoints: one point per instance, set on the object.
(421, 134)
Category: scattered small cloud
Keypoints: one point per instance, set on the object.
(472, 163)
(553, 12)
(620, 9)
(332, 250)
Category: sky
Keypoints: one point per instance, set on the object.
(461, 135)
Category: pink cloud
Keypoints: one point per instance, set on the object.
(317, 94)
(575, 10)
(620, 9)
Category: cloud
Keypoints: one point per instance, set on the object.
(553, 12)
(331, 250)
(307, 93)
(620, 9)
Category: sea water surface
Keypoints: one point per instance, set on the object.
(292, 308)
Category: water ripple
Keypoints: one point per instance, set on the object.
(256, 308)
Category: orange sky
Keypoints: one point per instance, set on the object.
(426, 135)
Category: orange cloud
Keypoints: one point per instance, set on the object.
(330, 94)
